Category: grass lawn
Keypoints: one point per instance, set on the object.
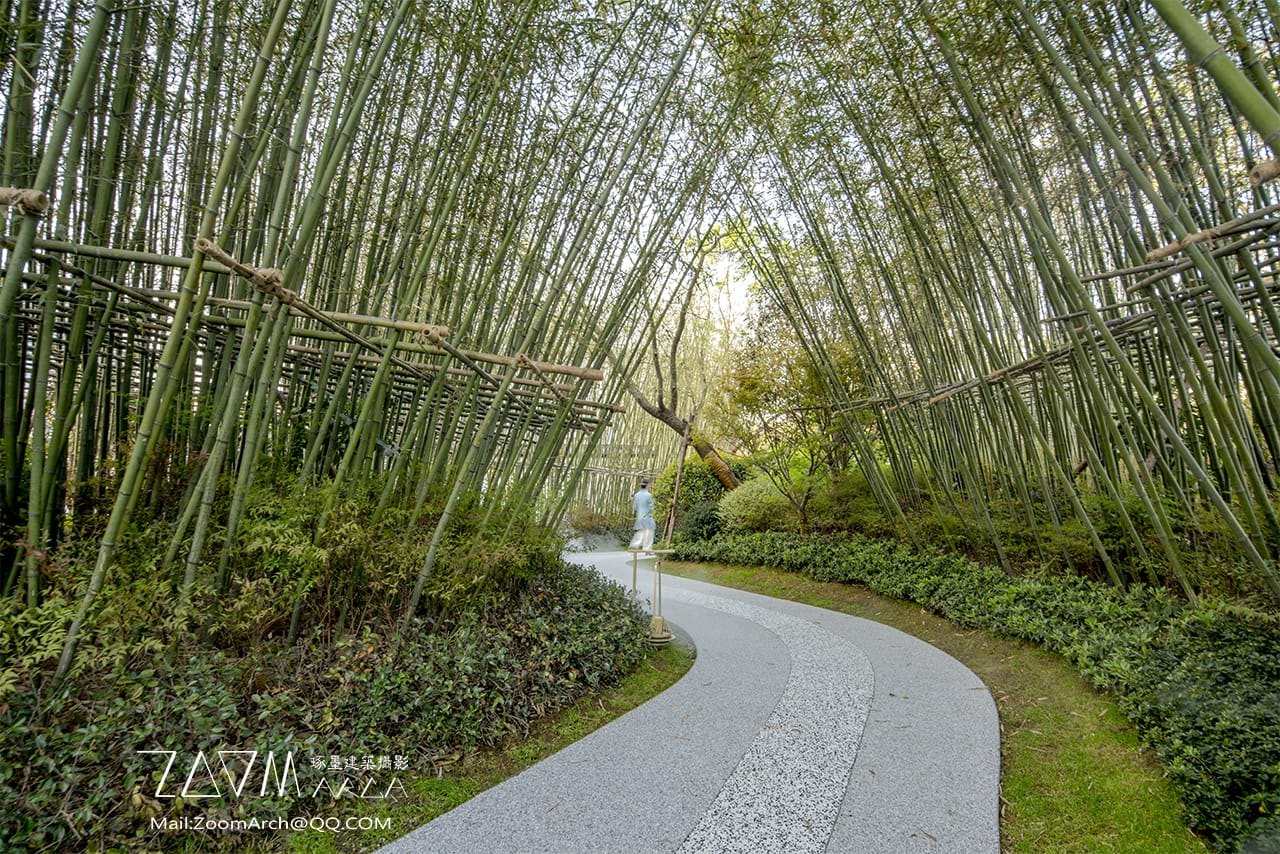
(1074, 777)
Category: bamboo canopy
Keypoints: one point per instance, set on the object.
(391, 246)
(1057, 286)
(362, 244)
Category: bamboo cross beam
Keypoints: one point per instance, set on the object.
(1126, 328)
(457, 372)
(1164, 267)
(588, 374)
(1212, 233)
(1187, 264)
(523, 361)
(102, 282)
(583, 410)
(222, 262)
(269, 282)
(427, 329)
(557, 389)
(112, 254)
(469, 358)
(543, 407)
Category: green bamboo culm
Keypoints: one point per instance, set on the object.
(1205, 52)
(1038, 316)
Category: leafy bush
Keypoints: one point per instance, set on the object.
(1199, 682)
(702, 522)
(697, 484)
(757, 505)
(511, 633)
(1206, 698)
(1034, 530)
(582, 520)
(490, 673)
(847, 504)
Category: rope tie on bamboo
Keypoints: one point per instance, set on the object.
(267, 279)
(1177, 246)
(1264, 171)
(1211, 56)
(1218, 230)
(31, 202)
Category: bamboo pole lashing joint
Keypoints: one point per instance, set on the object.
(267, 279)
(525, 362)
(1216, 231)
(1211, 56)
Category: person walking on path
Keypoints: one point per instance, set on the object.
(642, 504)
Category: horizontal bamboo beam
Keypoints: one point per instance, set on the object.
(1222, 230)
(112, 254)
(220, 262)
(427, 329)
(557, 388)
(265, 280)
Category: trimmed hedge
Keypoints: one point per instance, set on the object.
(1202, 684)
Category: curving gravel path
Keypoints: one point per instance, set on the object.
(797, 730)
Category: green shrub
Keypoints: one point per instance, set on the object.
(1199, 682)
(847, 504)
(581, 520)
(1263, 838)
(702, 522)
(1206, 697)
(489, 674)
(697, 484)
(509, 633)
(757, 505)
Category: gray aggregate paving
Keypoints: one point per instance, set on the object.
(796, 730)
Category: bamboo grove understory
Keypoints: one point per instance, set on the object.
(423, 246)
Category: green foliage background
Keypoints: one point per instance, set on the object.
(697, 484)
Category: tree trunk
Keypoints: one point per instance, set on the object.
(722, 472)
(681, 425)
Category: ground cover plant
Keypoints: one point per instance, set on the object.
(506, 636)
(1197, 682)
(455, 782)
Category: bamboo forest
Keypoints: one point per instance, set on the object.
(325, 325)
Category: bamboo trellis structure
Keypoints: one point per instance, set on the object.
(347, 244)
(1008, 382)
(384, 243)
